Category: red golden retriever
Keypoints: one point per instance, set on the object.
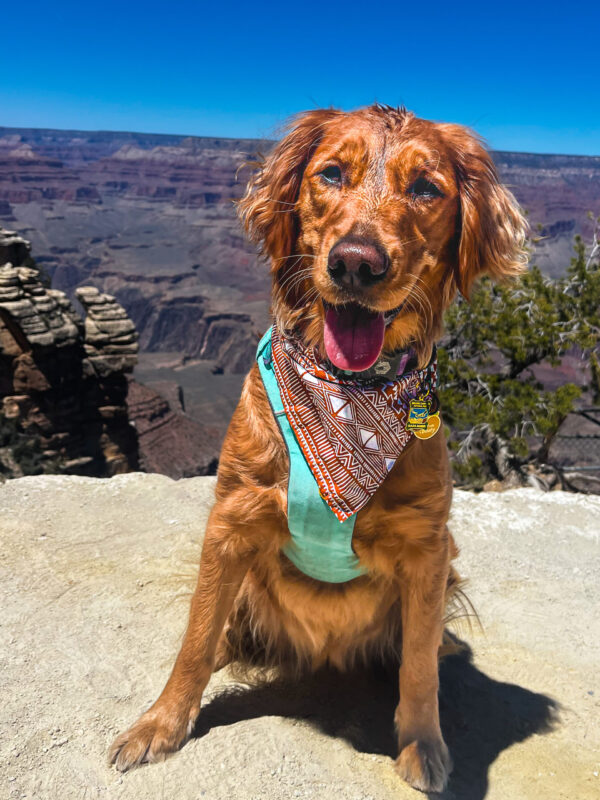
(371, 214)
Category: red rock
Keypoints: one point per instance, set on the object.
(170, 442)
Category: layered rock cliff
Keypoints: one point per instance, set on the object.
(63, 380)
(66, 402)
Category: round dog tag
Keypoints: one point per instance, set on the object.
(433, 426)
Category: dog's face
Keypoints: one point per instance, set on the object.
(373, 219)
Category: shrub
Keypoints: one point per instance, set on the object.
(501, 420)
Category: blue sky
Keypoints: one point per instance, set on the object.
(525, 75)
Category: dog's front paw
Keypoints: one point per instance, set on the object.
(157, 733)
(425, 765)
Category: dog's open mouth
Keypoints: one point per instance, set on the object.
(354, 335)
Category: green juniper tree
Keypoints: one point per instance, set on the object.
(501, 420)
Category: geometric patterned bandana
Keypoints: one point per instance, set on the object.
(350, 432)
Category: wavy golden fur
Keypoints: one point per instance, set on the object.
(250, 601)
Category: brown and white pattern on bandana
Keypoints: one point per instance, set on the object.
(350, 433)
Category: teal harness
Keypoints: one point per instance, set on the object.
(321, 545)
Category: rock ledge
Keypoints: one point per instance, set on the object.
(95, 577)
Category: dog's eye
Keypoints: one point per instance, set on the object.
(424, 188)
(332, 175)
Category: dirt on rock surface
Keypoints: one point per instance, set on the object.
(95, 579)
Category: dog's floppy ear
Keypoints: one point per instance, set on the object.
(267, 208)
(491, 228)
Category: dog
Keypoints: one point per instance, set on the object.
(372, 221)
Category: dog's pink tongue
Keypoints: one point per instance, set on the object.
(353, 337)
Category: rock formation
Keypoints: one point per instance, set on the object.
(63, 381)
(13, 247)
(67, 404)
(171, 442)
(110, 337)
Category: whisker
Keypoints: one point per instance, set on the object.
(425, 306)
(294, 280)
(417, 299)
(410, 241)
(295, 284)
(280, 202)
(295, 255)
(293, 275)
(290, 272)
(423, 301)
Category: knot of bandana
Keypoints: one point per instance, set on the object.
(351, 432)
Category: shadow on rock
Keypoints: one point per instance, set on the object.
(480, 717)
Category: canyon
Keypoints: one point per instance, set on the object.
(150, 220)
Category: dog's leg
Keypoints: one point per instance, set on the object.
(169, 722)
(223, 655)
(424, 761)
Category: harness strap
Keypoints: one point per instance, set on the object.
(321, 545)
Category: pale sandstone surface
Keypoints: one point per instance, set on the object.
(95, 577)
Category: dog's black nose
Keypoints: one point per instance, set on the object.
(356, 262)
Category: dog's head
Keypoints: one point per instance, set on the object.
(373, 219)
